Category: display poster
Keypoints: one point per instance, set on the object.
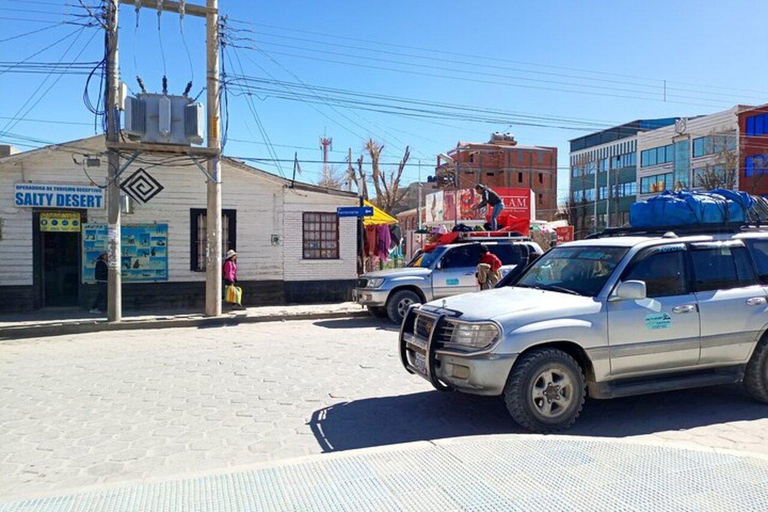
(60, 222)
(441, 206)
(564, 234)
(144, 251)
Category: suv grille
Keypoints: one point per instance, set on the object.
(362, 283)
(423, 326)
(445, 332)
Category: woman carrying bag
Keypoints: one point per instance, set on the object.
(232, 294)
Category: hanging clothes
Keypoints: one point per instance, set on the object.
(370, 241)
(383, 240)
(396, 235)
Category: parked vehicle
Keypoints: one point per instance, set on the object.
(442, 272)
(620, 315)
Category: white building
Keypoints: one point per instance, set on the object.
(677, 155)
(292, 247)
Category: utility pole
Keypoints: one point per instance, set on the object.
(213, 213)
(350, 171)
(114, 281)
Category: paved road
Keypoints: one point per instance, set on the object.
(93, 408)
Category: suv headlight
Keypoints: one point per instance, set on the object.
(375, 282)
(474, 336)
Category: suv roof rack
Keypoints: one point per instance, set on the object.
(690, 229)
(465, 236)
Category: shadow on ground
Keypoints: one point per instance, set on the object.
(436, 415)
(380, 324)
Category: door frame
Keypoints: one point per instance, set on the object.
(38, 269)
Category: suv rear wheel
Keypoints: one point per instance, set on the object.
(545, 391)
(756, 374)
(398, 304)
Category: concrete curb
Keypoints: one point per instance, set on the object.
(88, 326)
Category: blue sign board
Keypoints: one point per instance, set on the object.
(41, 195)
(354, 211)
(144, 252)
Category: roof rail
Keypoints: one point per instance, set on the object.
(465, 236)
(689, 229)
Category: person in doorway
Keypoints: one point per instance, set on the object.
(101, 275)
(492, 199)
(489, 269)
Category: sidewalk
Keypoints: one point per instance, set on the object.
(75, 321)
(501, 472)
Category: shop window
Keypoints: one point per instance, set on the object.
(320, 236)
(198, 236)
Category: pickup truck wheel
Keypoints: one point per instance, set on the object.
(545, 391)
(756, 373)
(398, 304)
(378, 311)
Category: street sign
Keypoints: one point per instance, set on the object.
(354, 211)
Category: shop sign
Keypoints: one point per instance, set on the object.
(564, 234)
(144, 251)
(40, 195)
(441, 206)
(60, 222)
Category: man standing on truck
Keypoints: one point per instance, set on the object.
(488, 270)
(489, 197)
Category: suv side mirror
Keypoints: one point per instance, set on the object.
(631, 290)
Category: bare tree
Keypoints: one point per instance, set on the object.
(721, 170)
(331, 178)
(386, 183)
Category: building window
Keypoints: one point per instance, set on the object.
(713, 144)
(539, 158)
(541, 178)
(541, 199)
(519, 177)
(656, 156)
(198, 236)
(755, 166)
(320, 236)
(757, 125)
(656, 184)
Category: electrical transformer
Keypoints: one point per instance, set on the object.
(163, 119)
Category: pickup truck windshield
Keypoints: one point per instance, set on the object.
(577, 270)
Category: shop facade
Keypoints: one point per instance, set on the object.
(292, 247)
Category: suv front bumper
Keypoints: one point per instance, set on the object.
(370, 297)
(478, 374)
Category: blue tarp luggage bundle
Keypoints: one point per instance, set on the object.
(686, 208)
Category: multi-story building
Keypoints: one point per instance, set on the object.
(698, 153)
(502, 162)
(604, 175)
(753, 150)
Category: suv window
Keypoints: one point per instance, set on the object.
(462, 256)
(509, 254)
(662, 269)
(721, 267)
(759, 250)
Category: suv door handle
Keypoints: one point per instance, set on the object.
(756, 301)
(684, 309)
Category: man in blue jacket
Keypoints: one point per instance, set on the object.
(101, 273)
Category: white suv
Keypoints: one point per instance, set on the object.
(604, 318)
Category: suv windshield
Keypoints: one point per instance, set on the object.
(578, 270)
(426, 259)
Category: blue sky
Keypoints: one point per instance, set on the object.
(595, 63)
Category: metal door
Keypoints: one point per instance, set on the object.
(733, 306)
(662, 331)
(456, 271)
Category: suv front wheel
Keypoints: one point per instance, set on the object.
(398, 304)
(545, 391)
(756, 374)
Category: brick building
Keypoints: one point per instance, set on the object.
(753, 150)
(502, 162)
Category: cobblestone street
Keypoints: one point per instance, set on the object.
(109, 407)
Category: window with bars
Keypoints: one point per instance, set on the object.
(320, 236)
(198, 219)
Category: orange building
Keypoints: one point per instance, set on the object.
(502, 162)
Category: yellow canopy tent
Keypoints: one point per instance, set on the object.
(379, 217)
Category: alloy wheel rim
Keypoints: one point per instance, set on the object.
(552, 392)
(403, 305)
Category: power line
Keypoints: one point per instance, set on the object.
(495, 59)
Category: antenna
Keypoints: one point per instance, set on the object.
(325, 143)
